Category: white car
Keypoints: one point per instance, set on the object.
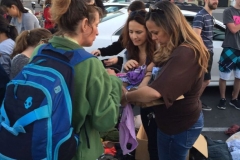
(113, 7)
(111, 26)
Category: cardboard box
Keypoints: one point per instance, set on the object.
(142, 149)
(201, 145)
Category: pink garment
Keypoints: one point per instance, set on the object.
(127, 130)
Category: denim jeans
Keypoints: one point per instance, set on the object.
(175, 147)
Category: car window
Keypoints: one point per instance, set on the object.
(113, 8)
(111, 15)
(119, 32)
(218, 31)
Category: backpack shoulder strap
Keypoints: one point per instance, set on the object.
(80, 55)
(75, 56)
(18, 126)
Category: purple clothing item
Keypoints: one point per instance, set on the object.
(136, 76)
(127, 130)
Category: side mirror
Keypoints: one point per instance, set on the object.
(33, 5)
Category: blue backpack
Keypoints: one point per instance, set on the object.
(36, 113)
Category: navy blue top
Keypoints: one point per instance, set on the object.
(204, 21)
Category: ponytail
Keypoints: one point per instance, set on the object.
(68, 13)
(58, 9)
(30, 38)
(21, 44)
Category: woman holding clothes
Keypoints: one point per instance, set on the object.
(183, 59)
(21, 18)
(140, 48)
(96, 97)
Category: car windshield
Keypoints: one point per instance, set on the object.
(111, 15)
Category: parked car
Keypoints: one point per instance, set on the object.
(189, 6)
(108, 33)
(113, 7)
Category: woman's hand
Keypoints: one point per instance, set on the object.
(96, 52)
(111, 61)
(111, 71)
(130, 64)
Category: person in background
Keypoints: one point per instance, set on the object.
(21, 18)
(26, 42)
(117, 47)
(8, 34)
(230, 56)
(183, 59)
(4, 14)
(140, 48)
(96, 97)
(203, 24)
(48, 24)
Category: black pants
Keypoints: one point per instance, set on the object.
(150, 128)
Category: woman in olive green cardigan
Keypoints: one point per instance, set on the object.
(97, 92)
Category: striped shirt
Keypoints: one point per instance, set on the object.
(204, 21)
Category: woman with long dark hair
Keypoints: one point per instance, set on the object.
(21, 18)
(140, 48)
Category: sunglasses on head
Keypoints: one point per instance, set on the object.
(155, 9)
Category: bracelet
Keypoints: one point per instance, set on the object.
(148, 71)
(148, 75)
(126, 96)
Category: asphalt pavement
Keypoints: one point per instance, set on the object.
(217, 121)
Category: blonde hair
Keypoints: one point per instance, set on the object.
(68, 13)
(174, 24)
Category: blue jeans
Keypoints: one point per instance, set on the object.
(175, 147)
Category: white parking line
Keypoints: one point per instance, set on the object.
(214, 129)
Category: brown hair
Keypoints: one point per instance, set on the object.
(133, 51)
(68, 13)
(168, 17)
(48, 2)
(30, 38)
(136, 5)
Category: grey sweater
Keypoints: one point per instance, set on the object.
(6, 49)
(29, 22)
(18, 62)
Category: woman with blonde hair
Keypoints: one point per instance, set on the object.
(97, 91)
(182, 60)
(24, 46)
